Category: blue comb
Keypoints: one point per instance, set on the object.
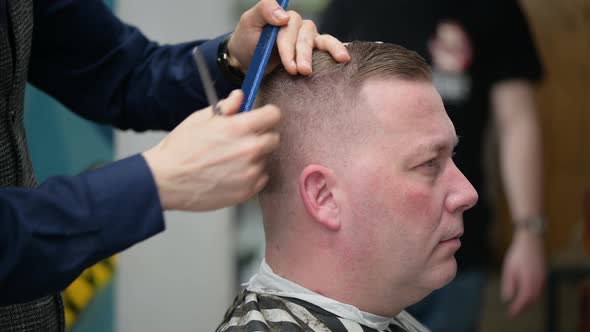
(259, 61)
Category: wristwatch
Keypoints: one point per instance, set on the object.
(231, 73)
(536, 224)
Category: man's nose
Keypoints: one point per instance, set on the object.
(463, 196)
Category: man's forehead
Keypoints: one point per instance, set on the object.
(402, 105)
(405, 97)
(393, 83)
(410, 116)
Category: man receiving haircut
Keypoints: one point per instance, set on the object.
(363, 209)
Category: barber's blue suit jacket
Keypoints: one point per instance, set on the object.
(108, 72)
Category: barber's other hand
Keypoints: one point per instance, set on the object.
(295, 42)
(523, 274)
(209, 162)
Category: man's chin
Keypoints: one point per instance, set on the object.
(437, 278)
(442, 276)
(445, 273)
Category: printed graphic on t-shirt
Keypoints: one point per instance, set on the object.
(452, 54)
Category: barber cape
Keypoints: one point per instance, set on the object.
(272, 303)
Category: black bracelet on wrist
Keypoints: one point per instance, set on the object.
(233, 74)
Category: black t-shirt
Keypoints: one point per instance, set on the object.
(471, 45)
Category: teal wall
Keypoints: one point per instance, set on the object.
(61, 143)
(99, 316)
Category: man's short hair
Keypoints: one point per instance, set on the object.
(322, 112)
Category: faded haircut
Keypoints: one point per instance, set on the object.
(322, 113)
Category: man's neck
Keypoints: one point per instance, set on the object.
(268, 282)
(324, 275)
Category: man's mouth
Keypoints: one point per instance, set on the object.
(454, 236)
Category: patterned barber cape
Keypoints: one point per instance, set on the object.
(253, 312)
(272, 303)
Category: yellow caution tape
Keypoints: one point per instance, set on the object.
(81, 292)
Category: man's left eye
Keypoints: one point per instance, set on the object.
(431, 165)
(431, 169)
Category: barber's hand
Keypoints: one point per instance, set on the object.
(295, 42)
(523, 274)
(209, 162)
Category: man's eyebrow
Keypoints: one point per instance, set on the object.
(437, 146)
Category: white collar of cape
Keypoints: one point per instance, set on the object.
(268, 282)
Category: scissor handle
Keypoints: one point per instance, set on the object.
(259, 61)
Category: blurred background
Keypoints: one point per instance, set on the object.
(184, 278)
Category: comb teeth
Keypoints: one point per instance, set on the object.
(258, 63)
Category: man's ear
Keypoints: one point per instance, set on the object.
(316, 190)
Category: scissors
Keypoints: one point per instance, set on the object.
(208, 84)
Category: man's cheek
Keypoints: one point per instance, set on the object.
(417, 203)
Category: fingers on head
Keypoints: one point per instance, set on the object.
(305, 45)
(286, 42)
(269, 142)
(332, 45)
(255, 149)
(254, 177)
(262, 181)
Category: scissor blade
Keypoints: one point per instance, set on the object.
(208, 84)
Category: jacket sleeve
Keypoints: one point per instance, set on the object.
(49, 235)
(109, 72)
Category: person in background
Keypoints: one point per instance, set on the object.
(109, 72)
(485, 67)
